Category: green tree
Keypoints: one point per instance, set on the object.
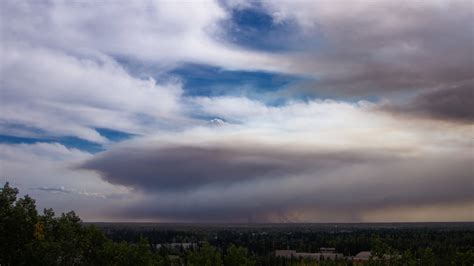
(428, 257)
(27, 238)
(408, 259)
(129, 254)
(17, 226)
(237, 256)
(207, 255)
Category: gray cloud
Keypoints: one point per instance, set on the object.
(245, 183)
(380, 47)
(341, 197)
(386, 49)
(184, 167)
(455, 104)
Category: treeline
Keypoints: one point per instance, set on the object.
(28, 238)
(411, 245)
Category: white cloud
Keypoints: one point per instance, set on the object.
(163, 32)
(62, 94)
(59, 74)
(331, 124)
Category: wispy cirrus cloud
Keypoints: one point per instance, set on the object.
(63, 190)
(54, 189)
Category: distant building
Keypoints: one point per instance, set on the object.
(365, 256)
(330, 254)
(285, 253)
(327, 250)
(325, 254)
(176, 246)
(362, 257)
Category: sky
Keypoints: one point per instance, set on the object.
(240, 111)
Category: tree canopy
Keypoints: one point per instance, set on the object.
(29, 238)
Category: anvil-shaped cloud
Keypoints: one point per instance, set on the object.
(287, 169)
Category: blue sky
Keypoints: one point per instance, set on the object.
(254, 28)
(319, 111)
(69, 141)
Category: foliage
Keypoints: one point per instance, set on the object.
(205, 256)
(237, 256)
(28, 238)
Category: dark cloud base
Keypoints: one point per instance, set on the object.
(184, 167)
(242, 183)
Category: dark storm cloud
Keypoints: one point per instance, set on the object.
(240, 183)
(344, 195)
(452, 104)
(456, 103)
(185, 167)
